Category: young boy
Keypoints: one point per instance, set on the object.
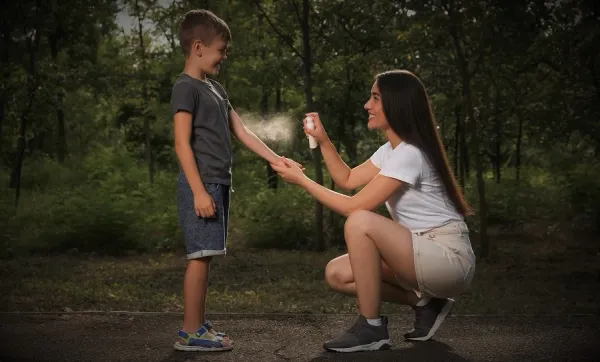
(203, 122)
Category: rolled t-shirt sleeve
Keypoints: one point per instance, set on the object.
(404, 164)
(183, 98)
(378, 157)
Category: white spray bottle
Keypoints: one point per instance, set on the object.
(312, 143)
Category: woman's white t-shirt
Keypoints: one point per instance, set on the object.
(422, 204)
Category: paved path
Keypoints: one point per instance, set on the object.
(125, 337)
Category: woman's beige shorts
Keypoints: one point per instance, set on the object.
(444, 260)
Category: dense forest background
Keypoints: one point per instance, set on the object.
(86, 149)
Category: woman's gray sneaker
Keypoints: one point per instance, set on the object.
(361, 337)
(428, 318)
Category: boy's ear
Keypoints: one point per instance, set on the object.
(197, 47)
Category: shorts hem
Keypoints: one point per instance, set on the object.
(206, 253)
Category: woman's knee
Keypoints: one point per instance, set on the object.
(336, 275)
(357, 221)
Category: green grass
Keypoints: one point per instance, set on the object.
(547, 274)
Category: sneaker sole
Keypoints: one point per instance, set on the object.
(180, 347)
(375, 346)
(438, 322)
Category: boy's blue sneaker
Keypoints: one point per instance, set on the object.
(220, 335)
(202, 340)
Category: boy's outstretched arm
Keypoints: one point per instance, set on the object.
(373, 195)
(250, 140)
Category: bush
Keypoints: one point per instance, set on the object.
(568, 194)
(533, 198)
(102, 204)
(582, 184)
(90, 222)
(278, 219)
(45, 173)
(8, 230)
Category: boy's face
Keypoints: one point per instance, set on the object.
(210, 57)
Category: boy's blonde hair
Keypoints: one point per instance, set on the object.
(201, 25)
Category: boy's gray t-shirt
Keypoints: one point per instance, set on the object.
(211, 138)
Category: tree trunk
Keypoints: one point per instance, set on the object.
(457, 132)
(4, 49)
(468, 102)
(264, 102)
(273, 174)
(596, 81)
(32, 47)
(2, 105)
(264, 107)
(316, 153)
(519, 139)
(483, 237)
(143, 76)
(498, 142)
(61, 141)
(306, 58)
(15, 176)
(464, 155)
(278, 97)
(341, 129)
(497, 129)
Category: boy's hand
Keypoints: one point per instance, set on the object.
(282, 162)
(294, 163)
(204, 205)
(319, 132)
(290, 172)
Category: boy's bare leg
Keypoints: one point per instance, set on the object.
(195, 285)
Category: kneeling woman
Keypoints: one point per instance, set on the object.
(422, 257)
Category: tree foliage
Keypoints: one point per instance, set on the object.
(515, 90)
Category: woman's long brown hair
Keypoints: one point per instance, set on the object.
(408, 111)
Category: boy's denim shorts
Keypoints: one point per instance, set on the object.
(203, 236)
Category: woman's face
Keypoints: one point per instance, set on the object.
(374, 108)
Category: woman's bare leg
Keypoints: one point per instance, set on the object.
(371, 238)
(339, 277)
